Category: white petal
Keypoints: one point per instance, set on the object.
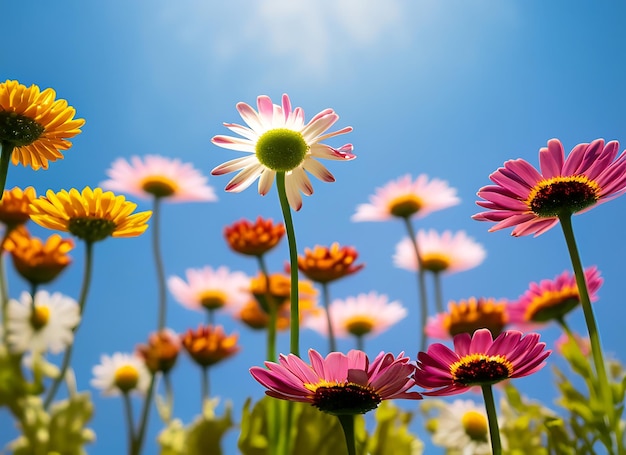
(235, 165)
(234, 143)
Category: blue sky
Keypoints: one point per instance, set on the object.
(451, 89)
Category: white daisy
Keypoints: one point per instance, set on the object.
(121, 373)
(463, 426)
(48, 328)
(278, 140)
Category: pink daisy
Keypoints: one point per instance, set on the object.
(405, 198)
(338, 384)
(552, 299)
(445, 252)
(364, 314)
(211, 288)
(532, 200)
(278, 140)
(479, 360)
(158, 176)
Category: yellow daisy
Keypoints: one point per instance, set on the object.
(34, 124)
(91, 215)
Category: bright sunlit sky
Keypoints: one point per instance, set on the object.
(451, 89)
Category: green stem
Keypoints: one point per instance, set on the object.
(169, 395)
(360, 343)
(438, 292)
(4, 291)
(585, 301)
(492, 417)
(272, 311)
(81, 304)
(210, 318)
(143, 423)
(421, 281)
(158, 262)
(5, 159)
(128, 408)
(332, 344)
(347, 424)
(205, 383)
(294, 325)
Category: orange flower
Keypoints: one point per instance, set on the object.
(254, 239)
(323, 264)
(161, 352)
(14, 206)
(209, 344)
(36, 261)
(467, 316)
(255, 312)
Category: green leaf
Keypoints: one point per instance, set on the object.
(391, 434)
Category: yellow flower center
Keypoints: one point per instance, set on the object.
(360, 325)
(126, 378)
(40, 317)
(562, 195)
(467, 316)
(213, 299)
(281, 149)
(405, 205)
(475, 425)
(552, 304)
(159, 186)
(18, 130)
(481, 369)
(343, 398)
(435, 262)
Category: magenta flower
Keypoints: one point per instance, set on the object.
(339, 384)
(532, 201)
(479, 360)
(278, 140)
(552, 299)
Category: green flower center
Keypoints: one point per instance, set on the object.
(91, 229)
(281, 149)
(560, 195)
(348, 399)
(19, 130)
(475, 426)
(481, 369)
(405, 206)
(159, 186)
(126, 378)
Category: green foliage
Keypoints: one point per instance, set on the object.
(588, 425)
(202, 436)
(391, 434)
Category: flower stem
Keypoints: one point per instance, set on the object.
(360, 343)
(128, 408)
(294, 325)
(332, 344)
(272, 311)
(205, 383)
(4, 291)
(5, 159)
(420, 280)
(158, 262)
(347, 424)
(143, 424)
(492, 417)
(81, 305)
(592, 328)
(438, 292)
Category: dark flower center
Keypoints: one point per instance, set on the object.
(18, 130)
(561, 195)
(91, 229)
(159, 187)
(405, 206)
(481, 369)
(348, 399)
(281, 149)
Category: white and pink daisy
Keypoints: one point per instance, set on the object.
(551, 300)
(121, 373)
(211, 289)
(532, 201)
(478, 359)
(50, 327)
(405, 198)
(278, 140)
(365, 314)
(339, 384)
(446, 252)
(158, 176)
(462, 427)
